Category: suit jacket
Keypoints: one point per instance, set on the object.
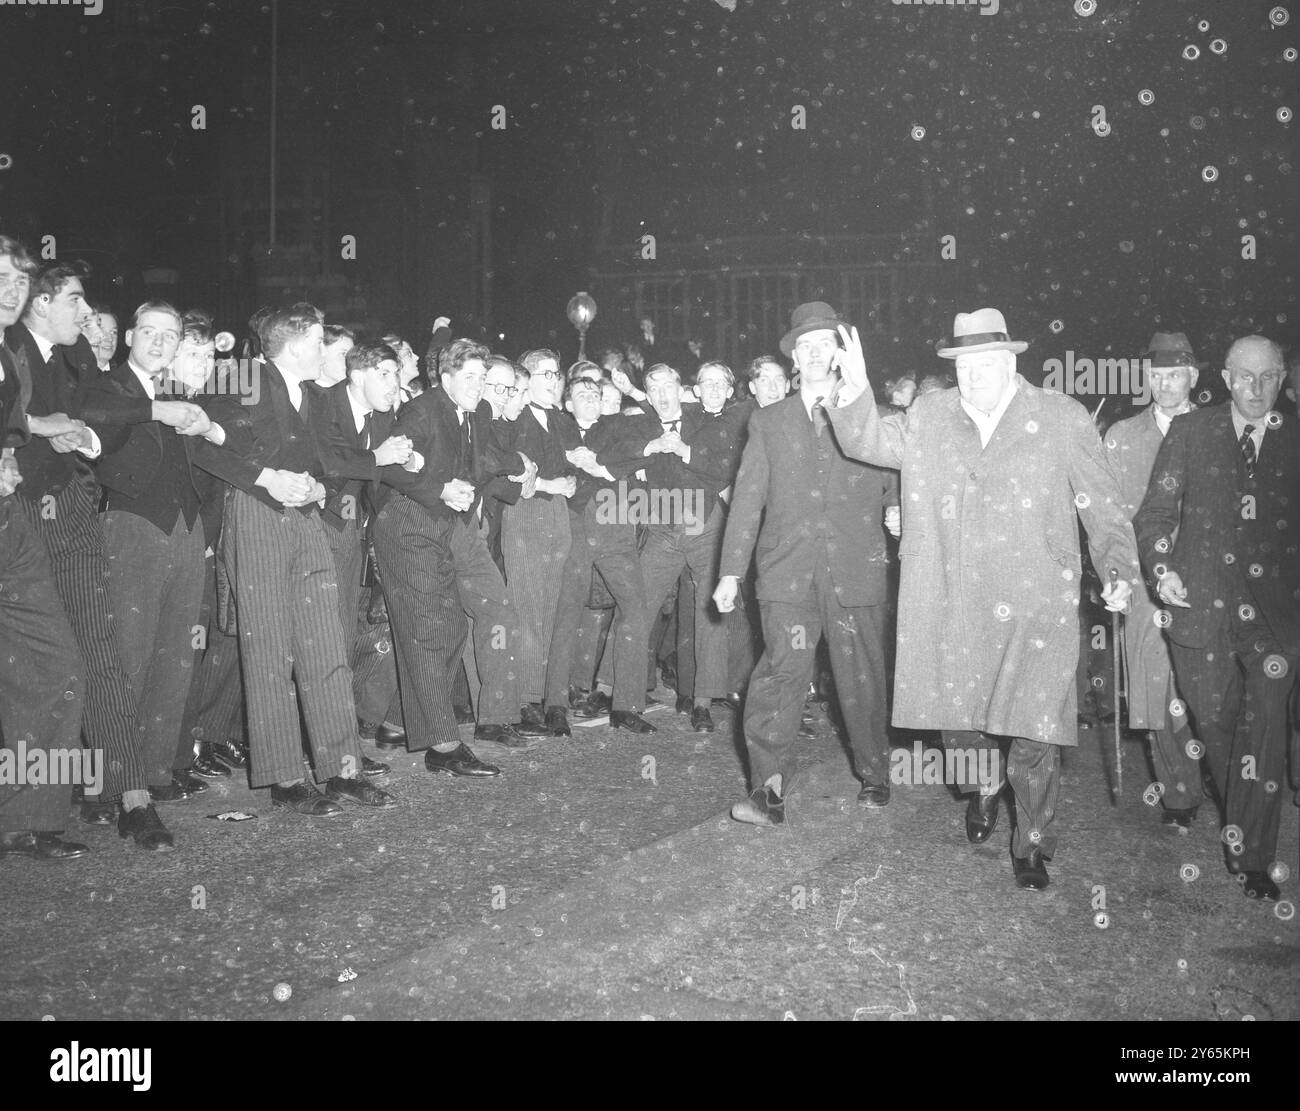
(50, 388)
(601, 437)
(812, 495)
(13, 419)
(264, 433)
(145, 467)
(434, 429)
(351, 473)
(541, 445)
(705, 476)
(1234, 541)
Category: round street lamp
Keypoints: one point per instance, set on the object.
(581, 312)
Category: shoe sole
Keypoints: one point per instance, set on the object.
(304, 813)
(390, 804)
(872, 804)
(751, 817)
(461, 775)
(43, 859)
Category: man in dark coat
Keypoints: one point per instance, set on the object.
(817, 518)
(1217, 532)
(993, 475)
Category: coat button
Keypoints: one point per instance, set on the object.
(972, 476)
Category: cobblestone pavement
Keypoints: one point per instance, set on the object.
(600, 877)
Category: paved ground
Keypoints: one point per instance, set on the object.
(599, 877)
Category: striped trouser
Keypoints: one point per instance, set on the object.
(68, 524)
(286, 598)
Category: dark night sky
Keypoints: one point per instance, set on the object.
(680, 113)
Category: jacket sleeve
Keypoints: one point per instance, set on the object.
(747, 501)
(1161, 510)
(1098, 501)
(339, 451)
(246, 450)
(424, 487)
(865, 435)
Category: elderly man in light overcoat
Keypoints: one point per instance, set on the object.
(993, 474)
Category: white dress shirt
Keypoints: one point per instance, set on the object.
(987, 423)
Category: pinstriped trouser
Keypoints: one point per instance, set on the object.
(68, 524)
(286, 596)
(42, 678)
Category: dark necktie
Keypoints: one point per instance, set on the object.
(466, 442)
(673, 425)
(819, 416)
(367, 438)
(1248, 450)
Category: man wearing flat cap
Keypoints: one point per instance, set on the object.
(1131, 447)
(993, 474)
(816, 517)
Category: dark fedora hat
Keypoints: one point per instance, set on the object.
(1171, 349)
(815, 316)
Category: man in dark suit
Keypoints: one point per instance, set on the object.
(284, 582)
(154, 542)
(603, 541)
(61, 499)
(817, 517)
(436, 569)
(42, 684)
(1217, 532)
(687, 465)
(352, 420)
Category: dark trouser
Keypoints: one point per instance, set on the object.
(349, 558)
(774, 706)
(1239, 711)
(374, 666)
(217, 694)
(42, 677)
(495, 626)
(668, 549)
(68, 524)
(1034, 772)
(155, 589)
(1177, 771)
(535, 540)
(611, 550)
(286, 596)
(184, 755)
(589, 649)
(428, 620)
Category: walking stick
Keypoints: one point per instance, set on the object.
(1120, 688)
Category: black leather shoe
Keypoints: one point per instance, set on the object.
(874, 796)
(360, 790)
(146, 828)
(464, 715)
(981, 817)
(557, 721)
(701, 720)
(96, 813)
(598, 703)
(1180, 818)
(1031, 870)
(459, 761)
(531, 714)
(386, 736)
(373, 768)
(40, 845)
(732, 700)
(685, 704)
(631, 721)
(669, 675)
(509, 736)
(175, 791)
(764, 807)
(303, 798)
(231, 753)
(207, 766)
(1258, 885)
(189, 783)
(366, 729)
(531, 729)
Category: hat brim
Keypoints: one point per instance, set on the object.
(791, 337)
(1015, 346)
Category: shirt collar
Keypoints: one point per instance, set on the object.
(1239, 425)
(145, 380)
(987, 423)
(45, 347)
(359, 414)
(1163, 422)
